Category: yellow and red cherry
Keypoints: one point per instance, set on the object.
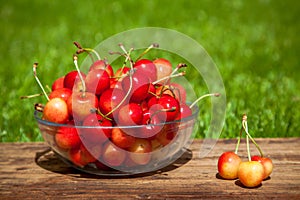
(266, 162)
(140, 151)
(56, 110)
(251, 173)
(228, 165)
(163, 68)
(81, 104)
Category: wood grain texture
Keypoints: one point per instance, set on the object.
(23, 176)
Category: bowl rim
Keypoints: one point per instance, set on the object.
(37, 116)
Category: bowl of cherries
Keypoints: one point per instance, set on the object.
(114, 121)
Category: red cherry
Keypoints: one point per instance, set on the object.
(67, 138)
(147, 67)
(96, 133)
(84, 156)
(171, 106)
(130, 114)
(185, 111)
(97, 81)
(56, 110)
(70, 79)
(102, 64)
(58, 83)
(63, 93)
(109, 100)
(140, 86)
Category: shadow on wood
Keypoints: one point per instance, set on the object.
(53, 162)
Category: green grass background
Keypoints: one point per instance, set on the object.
(255, 45)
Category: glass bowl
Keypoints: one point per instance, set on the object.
(168, 142)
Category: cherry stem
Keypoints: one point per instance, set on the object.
(130, 73)
(168, 77)
(38, 81)
(245, 126)
(94, 51)
(80, 50)
(75, 59)
(39, 107)
(204, 96)
(162, 110)
(31, 96)
(248, 147)
(154, 45)
(238, 141)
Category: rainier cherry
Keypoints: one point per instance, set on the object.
(266, 162)
(251, 173)
(228, 165)
(56, 110)
(163, 68)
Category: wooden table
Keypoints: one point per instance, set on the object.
(22, 176)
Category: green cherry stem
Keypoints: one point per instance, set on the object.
(204, 96)
(75, 59)
(248, 147)
(38, 81)
(245, 126)
(130, 74)
(238, 142)
(154, 45)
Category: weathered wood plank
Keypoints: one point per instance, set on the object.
(191, 176)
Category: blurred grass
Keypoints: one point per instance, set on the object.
(255, 45)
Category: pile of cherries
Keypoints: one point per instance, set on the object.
(140, 92)
(251, 173)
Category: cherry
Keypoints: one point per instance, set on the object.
(228, 165)
(115, 82)
(185, 111)
(63, 93)
(102, 64)
(266, 162)
(83, 156)
(147, 67)
(140, 86)
(167, 134)
(130, 115)
(140, 151)
(112, 156)
(71, 78)
(56, 110)
(251, 173)
(67, 137)
(58, 83)
(81, 104)
(121, 139)
(96, 133)
(109, 101)
(97, 81)
(171, 105)
(163, 68)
